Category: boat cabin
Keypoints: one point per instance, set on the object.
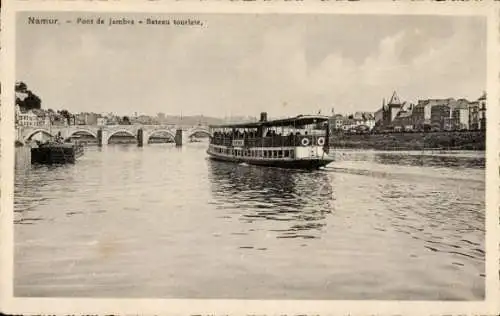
(301, 137)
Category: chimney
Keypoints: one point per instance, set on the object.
(263, 116)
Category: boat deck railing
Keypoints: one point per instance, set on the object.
(271, 141)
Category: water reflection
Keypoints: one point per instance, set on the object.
(423, 225)
(299, 200)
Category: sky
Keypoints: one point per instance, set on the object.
(243, 64)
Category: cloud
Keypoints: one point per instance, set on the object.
(247, 64)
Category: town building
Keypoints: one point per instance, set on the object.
(441, 117)
(80, 119)
(112, 119)
(404, 119)
(364, 119)
(26, 118)
(349, 124)
(422, 112)
(337, 122)
(161, 117)
(58, 120)
(379, 115)
(101, 121)
(431, 114)
(391, 109)
(460, 114)
(474, 115)
(482, 112)
(86, 118)
(144, 120)
(32, 118)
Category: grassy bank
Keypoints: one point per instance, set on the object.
(467, 140)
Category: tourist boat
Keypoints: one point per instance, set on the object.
(300, 142)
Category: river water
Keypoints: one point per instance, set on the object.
(165, 222)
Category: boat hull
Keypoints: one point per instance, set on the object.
(56, 154)
(309, 163)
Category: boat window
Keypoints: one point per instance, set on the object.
(280, 154)
(287, 153)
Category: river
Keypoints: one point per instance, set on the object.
(166, 222)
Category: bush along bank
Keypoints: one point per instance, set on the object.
(452, 140)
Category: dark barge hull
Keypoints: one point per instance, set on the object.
(308, 164)
(56, 154)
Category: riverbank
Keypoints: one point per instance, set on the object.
(457, 140)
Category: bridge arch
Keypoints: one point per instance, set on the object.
(111, 134)
(151, 133)
(36, 131)
(82, 130)
(193, 131)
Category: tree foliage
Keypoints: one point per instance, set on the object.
(31, 101)
(125, 120)
(66, 115)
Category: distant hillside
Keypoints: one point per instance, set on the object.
(205, 120)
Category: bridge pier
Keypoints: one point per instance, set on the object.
(99, 137)
(178, 137)
(140, 137)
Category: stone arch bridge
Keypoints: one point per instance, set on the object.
(104, 133)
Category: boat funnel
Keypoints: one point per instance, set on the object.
(263, 116)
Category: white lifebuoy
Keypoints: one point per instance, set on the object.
(321, 141)
(304, 141)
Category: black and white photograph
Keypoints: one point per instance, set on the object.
(250, 156)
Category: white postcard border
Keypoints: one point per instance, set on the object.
(12, 305)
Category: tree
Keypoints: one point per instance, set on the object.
(32, 101)
(125, 121)
(66, 115)
(21, 87)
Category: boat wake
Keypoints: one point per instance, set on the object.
(404, 173)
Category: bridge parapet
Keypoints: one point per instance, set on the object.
(24, 134)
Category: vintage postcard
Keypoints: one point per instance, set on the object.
(266, 158)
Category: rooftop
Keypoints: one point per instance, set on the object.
(293, 121)
(394, 99)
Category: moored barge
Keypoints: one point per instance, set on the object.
(301, 142)
(56, 153)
